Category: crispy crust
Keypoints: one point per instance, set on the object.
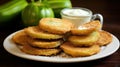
(68, 48)
(105, 38)
(87, 28)
(37, 51)
(87, 40)
(20, 38)
(36, 32)
(44, 44)
(55, 25)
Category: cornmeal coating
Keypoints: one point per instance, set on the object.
(44, 44)
(86, 40)
(36, 32)
(87, 28)
(55, 25)
(69, 49)
(20, 38)
(105, 38)
(37, 51)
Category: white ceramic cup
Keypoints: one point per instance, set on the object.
(79, 15)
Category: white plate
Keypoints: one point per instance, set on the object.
(105, 51)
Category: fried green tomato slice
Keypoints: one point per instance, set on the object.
(87, 40)
(44, 44)
(105, 38)
(20, 38)
(37, 51)
(55, 25)
(87, 28)
(79, 51)
(36, 32)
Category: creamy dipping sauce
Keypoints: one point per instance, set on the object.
(76, 12)
(77, 16)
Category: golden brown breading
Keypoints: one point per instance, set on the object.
(105, 38)
(44, 44)
(20, 38)
(87, 40)
(68, 48)
(87, 28)
(37, 51)
(36, 32)
(55, 25)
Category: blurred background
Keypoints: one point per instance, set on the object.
(108, 8)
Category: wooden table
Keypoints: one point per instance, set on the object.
(111, 24)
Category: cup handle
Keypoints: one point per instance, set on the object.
(98, 16)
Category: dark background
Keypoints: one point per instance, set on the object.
(108, 8)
